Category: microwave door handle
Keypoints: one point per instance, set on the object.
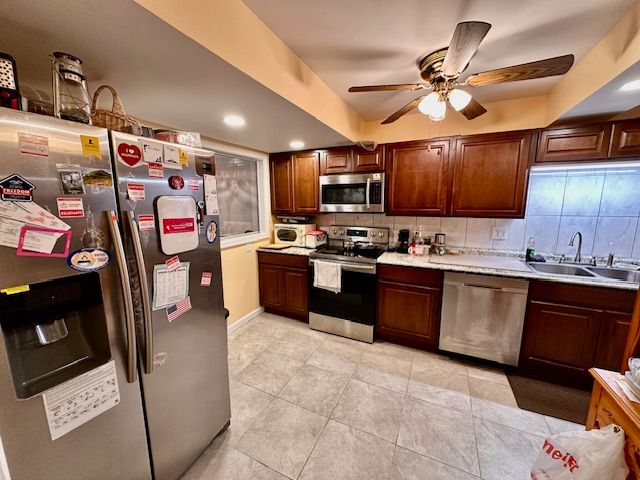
(144, 290)
(368, 193)
(125, 285)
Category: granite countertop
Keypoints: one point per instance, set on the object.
(303, 252)
(494, 265)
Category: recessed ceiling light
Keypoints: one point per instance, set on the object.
(634, 85)
(296, 144)
(234, 121)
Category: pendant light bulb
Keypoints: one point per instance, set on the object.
(428, 103)
(459, 99)
(438, 111)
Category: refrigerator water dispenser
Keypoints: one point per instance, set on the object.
(54, 332)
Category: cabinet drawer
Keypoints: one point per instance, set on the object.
(411, 275)
(283, 260)
(583, 296)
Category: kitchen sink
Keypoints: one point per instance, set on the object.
(558, 269)
(617, 274)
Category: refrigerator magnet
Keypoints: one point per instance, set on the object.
(129, 154)
(14, 188)
(90, 147)
(151, 152)
(194, 184)
(146, 222)
(176, 182)
(212, 231)
(172, 157)
(173, 263)
(70, 179)
(177, 223)
(35, 145)
(88, 259)
(70, 207)
(135, 191)
(205, 279)
(96, 179)
(155, 170)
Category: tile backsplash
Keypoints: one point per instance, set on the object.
(601, 202)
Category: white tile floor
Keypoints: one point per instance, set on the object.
(308, 405)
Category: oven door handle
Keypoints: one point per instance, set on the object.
(349, 267)
(368, 193)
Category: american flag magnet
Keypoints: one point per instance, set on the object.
(174, 311)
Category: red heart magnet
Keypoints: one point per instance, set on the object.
(129, 154)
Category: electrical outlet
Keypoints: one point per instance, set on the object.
(248, 248)
(499, 233)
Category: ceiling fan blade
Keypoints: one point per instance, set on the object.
(526, 71)
(473, 110)
(406, 109)
(463, 46)
(384, 88)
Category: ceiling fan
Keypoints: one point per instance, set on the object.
(441, 70)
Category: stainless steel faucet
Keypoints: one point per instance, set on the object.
(578, 256)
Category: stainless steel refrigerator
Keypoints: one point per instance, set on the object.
(113, 361)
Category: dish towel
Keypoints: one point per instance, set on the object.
(327, 275)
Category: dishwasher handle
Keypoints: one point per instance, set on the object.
(485, 287)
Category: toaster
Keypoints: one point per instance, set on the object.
(315, 238)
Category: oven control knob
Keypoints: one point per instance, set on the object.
(341, 232)
(335, 231)
(381, 234)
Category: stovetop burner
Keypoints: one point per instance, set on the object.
(355, 254)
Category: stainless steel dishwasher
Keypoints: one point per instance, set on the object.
(483, 316)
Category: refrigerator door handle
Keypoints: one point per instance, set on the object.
(125, 284)
(144, 287)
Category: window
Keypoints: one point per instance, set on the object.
(243, 194)
(237, 195)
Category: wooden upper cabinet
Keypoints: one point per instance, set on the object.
(336, 160)
(281, 167)
(306, 169)
(490, 174)
(417, 177)
(587, 142)
(625, 141)
(368, 161)
(351, 160)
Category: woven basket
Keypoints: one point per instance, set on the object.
(114, 119)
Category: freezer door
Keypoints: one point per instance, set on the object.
(112, 445)
(186, 387)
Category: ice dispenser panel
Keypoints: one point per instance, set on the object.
(55, 331)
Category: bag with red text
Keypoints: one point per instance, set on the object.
(582, 455)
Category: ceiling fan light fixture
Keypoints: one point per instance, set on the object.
(630, 86)
(459, 99)
(428, 103)
(438, 111)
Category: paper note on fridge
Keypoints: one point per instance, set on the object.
(151, 151)
(14, 216)
(177, 223)
(172, 157)
(211, 195)
(169, 287)
(81, 399)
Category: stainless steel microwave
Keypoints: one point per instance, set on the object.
(352, 193)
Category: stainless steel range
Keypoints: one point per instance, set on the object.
(349, 307)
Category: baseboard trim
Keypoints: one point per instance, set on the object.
(246, 319)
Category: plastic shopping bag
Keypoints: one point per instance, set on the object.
(582, 455)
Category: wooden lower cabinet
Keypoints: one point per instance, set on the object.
(409, 301)
(284, 284)
(570, 329)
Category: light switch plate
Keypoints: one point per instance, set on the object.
(499, 233)
(248, 247)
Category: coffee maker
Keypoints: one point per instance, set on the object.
(403, 241)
